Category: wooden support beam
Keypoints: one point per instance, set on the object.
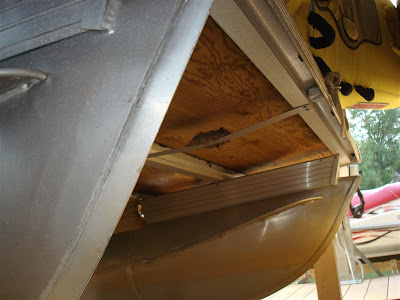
(326, 276)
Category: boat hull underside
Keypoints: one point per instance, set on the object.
(243, 252)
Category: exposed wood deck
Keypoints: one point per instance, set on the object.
(377, 289)
(222, 92)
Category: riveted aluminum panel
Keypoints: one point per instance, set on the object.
(26, 25)
(72, 147)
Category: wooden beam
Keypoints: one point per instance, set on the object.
(189, 165)
(326, 276)
(223, 92)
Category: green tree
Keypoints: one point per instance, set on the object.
(377, 133)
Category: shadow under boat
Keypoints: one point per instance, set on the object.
(242, 252)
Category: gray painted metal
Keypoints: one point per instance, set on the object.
(71, 149)
(243, 252)
(283, 181)
(26, 25)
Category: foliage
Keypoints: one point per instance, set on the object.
(377, 133)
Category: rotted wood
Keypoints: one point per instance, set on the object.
(222, 92)
(227, 137)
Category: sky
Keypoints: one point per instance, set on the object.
(394, 2)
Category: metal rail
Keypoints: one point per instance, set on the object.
(256, 187)
(22, 72)
(368, 262)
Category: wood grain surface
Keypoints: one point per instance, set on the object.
(222, 91)
(326, 275)
(221, 88)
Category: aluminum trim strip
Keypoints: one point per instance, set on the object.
(241, 190)
(277, 176)
(205, 205)
(273, 185)
(249, 192)
(249, 181)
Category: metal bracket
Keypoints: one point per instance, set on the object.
(315, 94)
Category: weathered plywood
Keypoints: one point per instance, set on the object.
(221, 88)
